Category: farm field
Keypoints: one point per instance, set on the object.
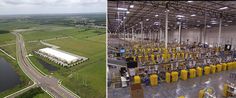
(88, 77)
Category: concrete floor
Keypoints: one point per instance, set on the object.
(189, 88)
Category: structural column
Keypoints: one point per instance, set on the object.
(205, 26)
(141, 32)
(180, 33)
(132, 33)
(124, 29)
(166, 29)
(161, 34)
(220, 24)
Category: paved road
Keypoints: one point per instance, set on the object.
(49, 84)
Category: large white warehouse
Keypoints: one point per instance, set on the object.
(61, 57)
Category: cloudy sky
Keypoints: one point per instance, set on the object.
(51, 6)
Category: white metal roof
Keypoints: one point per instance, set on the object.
(59, 54)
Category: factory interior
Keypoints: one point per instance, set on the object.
(171, 49)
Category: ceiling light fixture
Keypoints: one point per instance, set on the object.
(223, 8)
(178, 23)
(190, 1)
(214, 23)
(147, 19)
(167, 10)
(181, 16)
(193, 15)
(156, 23)
(208, 26)
(131, 6)
(118, 19)
(127, 12)
(156, 15)
(229, 21)
(122, 9)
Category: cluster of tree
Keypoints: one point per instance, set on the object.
(4, 31)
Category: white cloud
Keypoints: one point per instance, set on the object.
(51, 6)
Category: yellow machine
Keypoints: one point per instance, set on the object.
(192, 73)
(213, 69)
(199, 71)
(153, 80)
(207, 70)
(229, 66)
(153, 57)
(134, 58)
(229, 90)
(164, 56)
(174, 76)
(219, 67)
(181, 97)
(146, 58)
(225, 90)
(167, 77)
(137, 79)
(184, 74)
(201, 94)
(207, 93)
(140, 58)
(224, 66)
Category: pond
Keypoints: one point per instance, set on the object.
(8, 77)
(47, 65)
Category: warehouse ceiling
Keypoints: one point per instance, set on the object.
(191, 14)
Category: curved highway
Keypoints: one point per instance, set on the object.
(47, 83)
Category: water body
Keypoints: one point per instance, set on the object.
(8, 77)
(47, 65)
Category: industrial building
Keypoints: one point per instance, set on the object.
(61, 57)
(171, 49)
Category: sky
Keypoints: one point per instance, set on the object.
(11, 7)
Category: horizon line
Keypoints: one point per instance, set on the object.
(53, 13)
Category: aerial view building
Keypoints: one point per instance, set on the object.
(61, 57)
(171, 49)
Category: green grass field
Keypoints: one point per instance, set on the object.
(16, 24)
(10, 49)
(88, 79)
(34, 93)
(6, 38)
